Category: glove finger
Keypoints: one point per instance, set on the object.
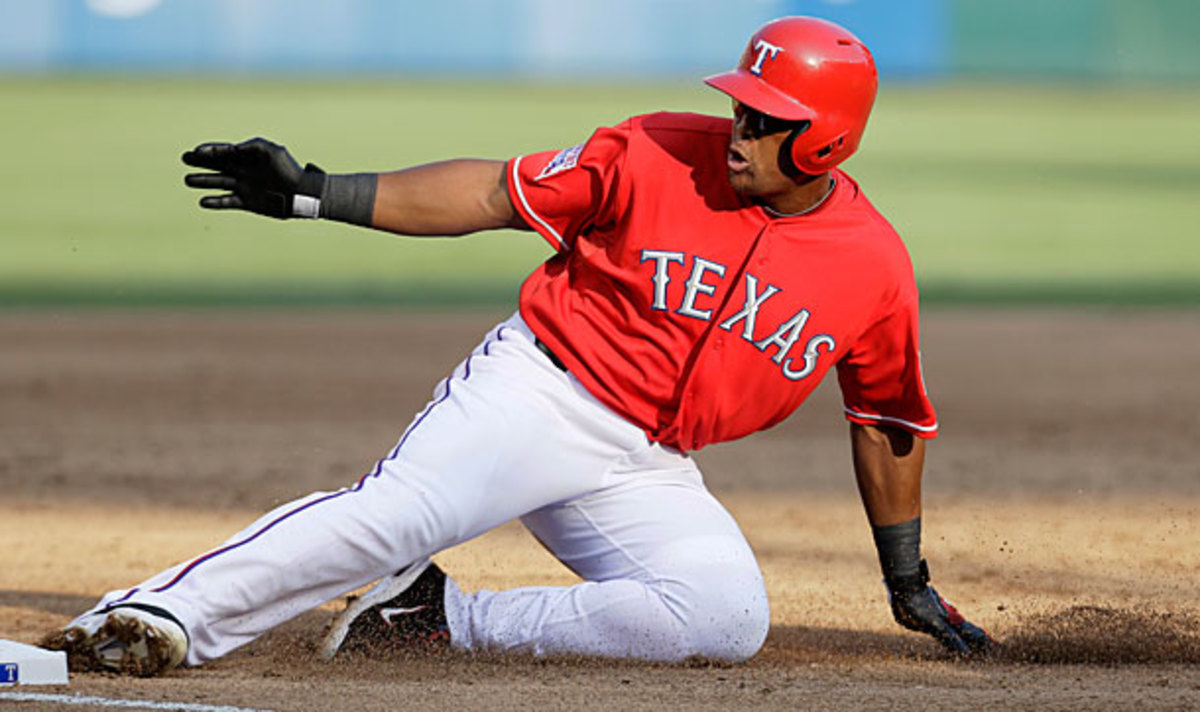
(975, 637)
(941, 621)
(210, 181)
(222, 202)
(214, 155)
(255, 154)
(948, 637)
(260, 145)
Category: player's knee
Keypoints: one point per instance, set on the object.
(726, 616)
(732, 623)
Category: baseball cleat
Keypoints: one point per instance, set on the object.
(405, 610)
(132, 639)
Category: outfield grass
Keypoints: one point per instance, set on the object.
(1002, 193)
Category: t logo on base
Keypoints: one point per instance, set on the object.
(10, 673)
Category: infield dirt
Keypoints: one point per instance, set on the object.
(1062, 510)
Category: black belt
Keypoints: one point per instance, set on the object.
(550, 355)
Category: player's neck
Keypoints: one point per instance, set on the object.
(806, 197)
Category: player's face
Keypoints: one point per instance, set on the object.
(754, 154)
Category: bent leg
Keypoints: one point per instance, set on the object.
(506, 434)
(668, 575)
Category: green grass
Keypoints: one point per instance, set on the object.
(1042, 188)
(1001, 193)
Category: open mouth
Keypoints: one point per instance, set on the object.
(736, 160)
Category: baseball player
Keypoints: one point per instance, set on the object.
(706, 275)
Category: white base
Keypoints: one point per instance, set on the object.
(22, 664)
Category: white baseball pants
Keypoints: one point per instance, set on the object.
(667, 573)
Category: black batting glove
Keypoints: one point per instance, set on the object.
(917, 606)
(258, 176)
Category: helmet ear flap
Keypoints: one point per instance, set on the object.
(790, 155)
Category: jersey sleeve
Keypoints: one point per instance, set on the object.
(881, 379)
(561, 194)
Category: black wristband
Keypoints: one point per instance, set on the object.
(899, 548)
(350, 198)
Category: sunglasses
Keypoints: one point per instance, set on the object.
(759, 124)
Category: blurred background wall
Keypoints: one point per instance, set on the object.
(1028, 150)
(651, 39)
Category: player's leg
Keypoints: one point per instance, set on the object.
(668, 575)
(507, 434)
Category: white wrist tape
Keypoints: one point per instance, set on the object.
(306, 206)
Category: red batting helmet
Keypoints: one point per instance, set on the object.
(807, 69)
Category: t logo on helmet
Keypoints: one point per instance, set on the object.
(764, 48)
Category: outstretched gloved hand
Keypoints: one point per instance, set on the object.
(258, 176)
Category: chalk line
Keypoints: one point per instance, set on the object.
(124, 704)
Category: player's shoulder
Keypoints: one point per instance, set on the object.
(871, 224)
(665, 129)
(852, 197)
(681, 122)
(686, 138)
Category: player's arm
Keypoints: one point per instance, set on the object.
(888, 465)
(449, 198)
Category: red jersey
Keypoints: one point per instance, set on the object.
(695, 313)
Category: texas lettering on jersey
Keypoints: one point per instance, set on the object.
(782, 336)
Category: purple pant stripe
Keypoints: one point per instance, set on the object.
(124, 598)
(375, 472)
(188, 569)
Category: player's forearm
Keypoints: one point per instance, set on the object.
(448, 198)
(888, 464)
